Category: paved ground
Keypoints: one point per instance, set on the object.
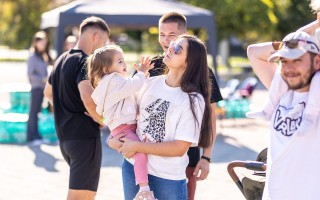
(40, 173)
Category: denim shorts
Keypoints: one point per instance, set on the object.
(163, 189)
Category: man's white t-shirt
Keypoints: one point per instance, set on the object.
(293, 159)
(165, 115)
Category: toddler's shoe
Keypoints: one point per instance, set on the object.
(147, 195)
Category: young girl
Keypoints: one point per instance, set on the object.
(114, 98)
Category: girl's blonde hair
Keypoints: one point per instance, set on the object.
(315, 5)
(100, 59)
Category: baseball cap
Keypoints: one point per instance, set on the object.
(294, 45)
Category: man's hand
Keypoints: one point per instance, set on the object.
(203, 167)
(100, 122)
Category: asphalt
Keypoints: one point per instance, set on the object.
(40, 173)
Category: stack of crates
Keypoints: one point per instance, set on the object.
(235, 108)
(14, 117)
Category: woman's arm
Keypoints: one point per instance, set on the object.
(48, 93)
(176, 148)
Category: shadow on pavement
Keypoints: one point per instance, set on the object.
(44, 159)
(225, 151)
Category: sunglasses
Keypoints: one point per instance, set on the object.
(176, 47)
(292, 44)
(38, 39)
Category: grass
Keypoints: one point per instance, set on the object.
(13, 60)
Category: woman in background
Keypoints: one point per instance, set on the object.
(38, 61)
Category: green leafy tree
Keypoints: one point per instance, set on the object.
(20, 19)
(257, 20)
(297, 14)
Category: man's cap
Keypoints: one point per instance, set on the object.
(309, 45)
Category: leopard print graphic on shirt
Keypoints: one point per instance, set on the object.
(155, 128)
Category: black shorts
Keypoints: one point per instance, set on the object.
(84, 158)
(194, 156)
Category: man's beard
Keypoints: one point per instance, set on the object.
(308, 77)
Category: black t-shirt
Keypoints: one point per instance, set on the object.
(159, 69)
(69, 111)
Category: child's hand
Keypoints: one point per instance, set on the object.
(145, 65)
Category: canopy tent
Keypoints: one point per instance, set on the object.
(129, 14)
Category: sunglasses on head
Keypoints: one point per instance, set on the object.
(176, 47)
(292, 44)
(38, 39)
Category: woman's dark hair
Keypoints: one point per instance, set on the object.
(196, 79)
(44, 55)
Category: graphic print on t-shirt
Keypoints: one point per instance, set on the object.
(287, 120)
(155, 120)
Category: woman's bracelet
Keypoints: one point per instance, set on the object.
(206, 158)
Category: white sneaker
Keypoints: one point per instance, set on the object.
(146, 195)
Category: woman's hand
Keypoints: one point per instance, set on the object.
(115, 142)
(127, 148)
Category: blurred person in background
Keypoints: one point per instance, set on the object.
(38, 61)
(70, 42)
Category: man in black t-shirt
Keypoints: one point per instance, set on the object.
(76, 120)
(171, 25)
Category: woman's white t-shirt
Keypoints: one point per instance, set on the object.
(165, 115)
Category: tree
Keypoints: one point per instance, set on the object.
(297, 14)
(256, 20)
(20, 19)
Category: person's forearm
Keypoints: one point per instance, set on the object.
(258, 55)
(50, 99)
(310, 28)
(175, 148)
(208, 151)
(48, 93)
(86, 91)
(91, 108)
